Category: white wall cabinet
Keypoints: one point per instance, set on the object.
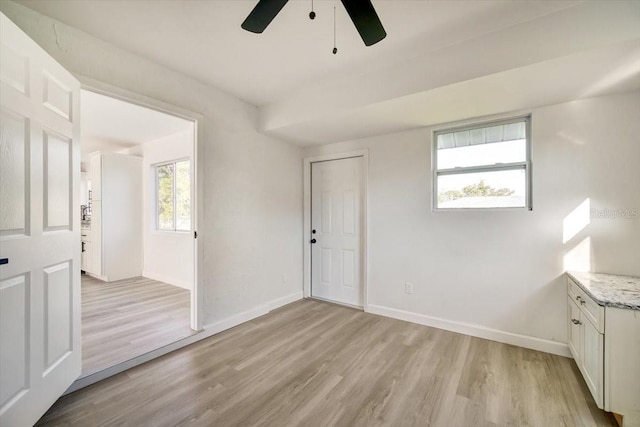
(605, 343)
(116, 218)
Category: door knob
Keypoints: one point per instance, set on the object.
(313, 231)
(313, 240)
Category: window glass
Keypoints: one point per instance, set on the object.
(165, 196)
(485, 154)
(483, 166)
(483, 190)
(183, 196)
(173, 184)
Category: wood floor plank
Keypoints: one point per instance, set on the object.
(128, 318)
(317, 364)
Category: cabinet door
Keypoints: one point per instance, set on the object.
(86, 258)
(575, 336)
(593, 360)
(83, 257)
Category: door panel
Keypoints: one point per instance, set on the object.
(327, 212)
(14, 294)
(349, 268)
(349, 211)
(58, 304)
(14, 168)
(14, 68)
(336, 209)
(39, 229)
(57, 182)
(57, 97)
(327, 271)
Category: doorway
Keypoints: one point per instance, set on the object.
(335, 262)
(138, 203)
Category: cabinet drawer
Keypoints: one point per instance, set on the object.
(592, 310)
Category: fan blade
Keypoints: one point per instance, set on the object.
(262, 15)
(366, 20)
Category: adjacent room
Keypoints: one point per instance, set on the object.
(329, 213)
(138, 256)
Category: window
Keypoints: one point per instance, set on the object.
(173, 195)
(483, 166)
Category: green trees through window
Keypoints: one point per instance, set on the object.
(475, 190)
(173, 185)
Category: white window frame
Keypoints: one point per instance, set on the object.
(526, 165)
(157, 193)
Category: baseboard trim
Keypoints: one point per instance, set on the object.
(168, 280)
(208, 331)
(245, 316)
(547, 346)
(288, 299)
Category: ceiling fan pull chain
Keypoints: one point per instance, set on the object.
(335, 49)
(312, 14)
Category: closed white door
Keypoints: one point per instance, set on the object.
(336, 222)
(39, 229)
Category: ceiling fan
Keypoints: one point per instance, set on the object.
(361, 12)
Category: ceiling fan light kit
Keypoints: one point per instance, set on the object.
(362, 14)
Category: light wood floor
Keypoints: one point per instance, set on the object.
(317, 364)
(128, 318)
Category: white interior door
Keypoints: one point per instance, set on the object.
(39, 229)
(336, 216)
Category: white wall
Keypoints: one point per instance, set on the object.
(252, 227)
(504, 269)
(168, 256)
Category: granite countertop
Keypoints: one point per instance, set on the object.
(609, 289)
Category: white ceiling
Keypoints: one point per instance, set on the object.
(309, 96)
(112, 125)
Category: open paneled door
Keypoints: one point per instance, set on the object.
(39, 229)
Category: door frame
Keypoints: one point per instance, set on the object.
(96, 86)
(306, 233)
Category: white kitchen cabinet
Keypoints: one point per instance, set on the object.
(605, 343)
(622, 364)
(593, 359)
(575, 331)
(116, 218)
(86, 258)
(587, 347)
(85, 255)
(84, 188)
(96, 176)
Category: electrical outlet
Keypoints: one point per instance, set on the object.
(408, 288)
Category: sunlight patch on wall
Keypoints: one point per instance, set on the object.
(576, 221)
(579, 258)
